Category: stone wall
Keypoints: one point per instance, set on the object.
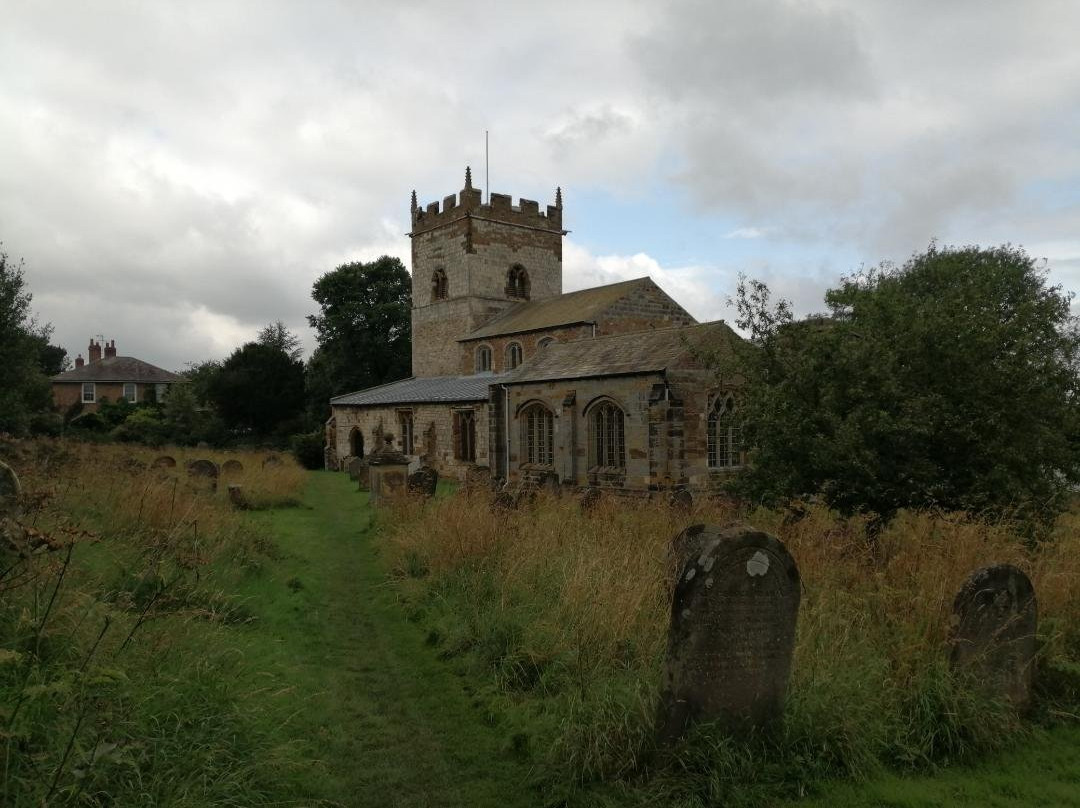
(647, 306)
(434, 446)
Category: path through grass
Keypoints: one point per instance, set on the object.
(385, 722)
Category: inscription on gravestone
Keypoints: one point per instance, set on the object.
(993, 638)
(732, 632)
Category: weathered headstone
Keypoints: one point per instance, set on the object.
(993, 638)
(477, 477)
(237, 498)
(204, 469)
(503, 501)
(424, 481)
(590, 499)
(681, 500)
(231, 468)
(388, 471)
(354, 467)
(732, 633)
(272, 460)
(10, 490)
(164, 462)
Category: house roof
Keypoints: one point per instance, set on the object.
(433, 389)
(623, 354)
(118, 369)
(567, 309)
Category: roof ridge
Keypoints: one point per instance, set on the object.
(374, 387)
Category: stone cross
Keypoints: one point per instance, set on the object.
(732, 632)
(995, 617)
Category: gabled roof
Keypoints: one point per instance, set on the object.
(119, 369)
(568, 309)
(624, 354)
(433, 389)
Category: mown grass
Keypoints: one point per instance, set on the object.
(121, 678)
(566, 614)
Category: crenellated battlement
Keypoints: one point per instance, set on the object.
(500, 208)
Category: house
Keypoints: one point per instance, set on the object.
(603, 386)
(106, 376)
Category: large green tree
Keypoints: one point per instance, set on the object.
(950, 382)
(258, 388)
(362, 328)
(24, 388)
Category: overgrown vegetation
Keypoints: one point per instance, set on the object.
(121, 677)
(566, 615)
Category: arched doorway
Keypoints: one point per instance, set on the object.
(356, 442)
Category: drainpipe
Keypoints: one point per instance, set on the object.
(506, 430)
(593, 324)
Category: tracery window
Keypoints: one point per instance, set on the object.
(513, 355)
(465, 435)
(517, 282)
(724, 434)
(439, 286)
(537, 435)
(483, 359)
(405, 425)
(608, 435)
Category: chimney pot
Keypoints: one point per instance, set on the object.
(93, 353)
(110, 348)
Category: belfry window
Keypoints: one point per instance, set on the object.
(607, 438)
(724, 434)
(517, 282)
(439, 286)
(513, 355)
(537, 435)
(483, 359)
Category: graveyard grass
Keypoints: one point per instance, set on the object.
(299, 654)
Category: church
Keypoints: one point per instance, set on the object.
(515, 380)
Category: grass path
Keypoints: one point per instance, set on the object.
(384, 721)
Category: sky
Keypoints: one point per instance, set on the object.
(176, 175)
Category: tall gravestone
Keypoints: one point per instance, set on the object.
(732, 632)
(388, 471)
(993, 637)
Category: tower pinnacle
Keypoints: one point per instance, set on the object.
(558, 197)
(414, 201)
(468, 178)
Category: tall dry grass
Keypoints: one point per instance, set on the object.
(570, 610)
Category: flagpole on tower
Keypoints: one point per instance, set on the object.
(487, 189)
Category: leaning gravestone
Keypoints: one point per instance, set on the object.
(9, 490)
(993, 639)
(681, 500)
(164, 462)
(732, 633)
(424, 481)
(232, 467)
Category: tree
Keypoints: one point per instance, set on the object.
(276, 335)
(362, 327)
(24, 389)
(200, 375)
(257, 388)
(948, 382)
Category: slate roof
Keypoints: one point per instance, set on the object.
(433, 389)
(118, 369)
(623, 354)
(567, 309)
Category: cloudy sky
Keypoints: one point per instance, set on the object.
(177, 174)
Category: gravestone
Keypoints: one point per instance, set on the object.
(388, 471)
(477, 477)
(590, 499)
(995, 618)
(272, 460)
(354, 467)
(503, 501)
(548, 482)
(232, 467)
(424, 481)
(10, 490)
(732, 632)
(164, 462)
(204, 469)
(681, 500)
(237, 498)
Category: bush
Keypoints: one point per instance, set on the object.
(145, 425)
(308, 448)
(48, 424)
(89, 422)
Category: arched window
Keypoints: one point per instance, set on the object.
(546, 341)
(483, 359)
(438, 285)
(607, 438)
(517, 282)
(513, 355)
(537, 435)
(725, 434)
(465, 435)
(356, 442)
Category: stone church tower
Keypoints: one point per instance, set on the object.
(472, 261)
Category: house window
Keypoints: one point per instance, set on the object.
(405, 427)
(513, 355)
(130, 392)
(465, 435)
(517, 282)
(725, 434)
(439, 285)
(88, 394)
(537, 435)
(608, 444)
(483, 359)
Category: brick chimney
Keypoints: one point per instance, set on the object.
(93, 353)
(110, 348)
(79, 361)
